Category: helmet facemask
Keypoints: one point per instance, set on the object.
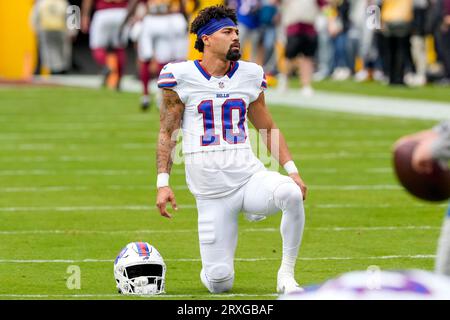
(138, 274)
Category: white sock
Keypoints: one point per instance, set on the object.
(287, 265)
(443, 250)
(288, 199)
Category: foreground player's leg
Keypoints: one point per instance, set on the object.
(217, 231)
(443, 251)
(266, 193)
(288, 198)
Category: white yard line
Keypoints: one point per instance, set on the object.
(150, 187)
(116, 172)
(360, 104)
(30, 209)
(259, 259)
(339, 102)
(243, 230)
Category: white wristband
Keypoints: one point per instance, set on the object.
(162, 180)
(290, 167)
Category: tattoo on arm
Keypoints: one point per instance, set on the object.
(170, 120)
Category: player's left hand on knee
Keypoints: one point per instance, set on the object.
(298, 180)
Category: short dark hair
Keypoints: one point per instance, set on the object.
(205, 15)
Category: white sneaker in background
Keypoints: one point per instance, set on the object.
(307, 91)
(362, 75)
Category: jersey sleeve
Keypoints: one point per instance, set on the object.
(167, 79)
(171, 77)
(259, 83)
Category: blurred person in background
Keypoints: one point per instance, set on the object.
(418, 46)
(248, 15)
(269, 18)
(104, 33)
(338, 27)
(325, 48)
(163, 39)
(363, 42)
(396, 22)
(298, 18)
(55, 45)
(445, 40)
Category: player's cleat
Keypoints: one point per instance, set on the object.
(145, 103)
(286, 284)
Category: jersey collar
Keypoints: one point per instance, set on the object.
(207, 75)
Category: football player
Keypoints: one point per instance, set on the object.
(163, 39)
(104, 32)
(212, 100)
(434, 144)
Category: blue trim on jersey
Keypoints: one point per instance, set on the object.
(166, 76)
(203, 71)
(234, 67)
(167, 85)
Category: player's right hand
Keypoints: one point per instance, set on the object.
(165, 195)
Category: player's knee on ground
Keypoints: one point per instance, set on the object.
(218, 278)
(288, 195)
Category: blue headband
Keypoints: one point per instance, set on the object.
(214, 25)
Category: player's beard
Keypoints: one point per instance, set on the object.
(233, 54)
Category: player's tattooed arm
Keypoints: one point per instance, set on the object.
(171, 113)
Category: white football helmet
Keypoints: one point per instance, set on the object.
(140, 269)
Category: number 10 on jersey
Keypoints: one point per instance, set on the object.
(210, 137)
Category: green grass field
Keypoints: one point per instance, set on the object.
(77, 177)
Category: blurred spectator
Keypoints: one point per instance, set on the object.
(396, 19)
(339, 26)
(445, 40)
(49, 21)
(104, 33)
(298, 18)
(269, 18)
(248, 15)
(418, 48)
(363, 43)
(325, 50)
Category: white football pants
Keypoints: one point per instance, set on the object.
(266, 193)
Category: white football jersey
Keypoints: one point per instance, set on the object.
(216, 143)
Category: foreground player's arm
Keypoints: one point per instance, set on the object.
(86, 9)
(170, 120)
(433, 145)
(260, 117)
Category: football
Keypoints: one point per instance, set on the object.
(434, 186)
